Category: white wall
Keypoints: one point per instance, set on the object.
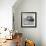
(43, 22)
(6, 13)
(35, 34)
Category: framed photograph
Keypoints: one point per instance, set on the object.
(28, 19)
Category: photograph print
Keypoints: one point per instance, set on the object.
(28, 19)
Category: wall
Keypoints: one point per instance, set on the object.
(6, 13)
(43, 22)
(28, 6)
(36, 34)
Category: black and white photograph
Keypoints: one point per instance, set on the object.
(28, 19)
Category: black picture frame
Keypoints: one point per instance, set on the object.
(29, 19)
